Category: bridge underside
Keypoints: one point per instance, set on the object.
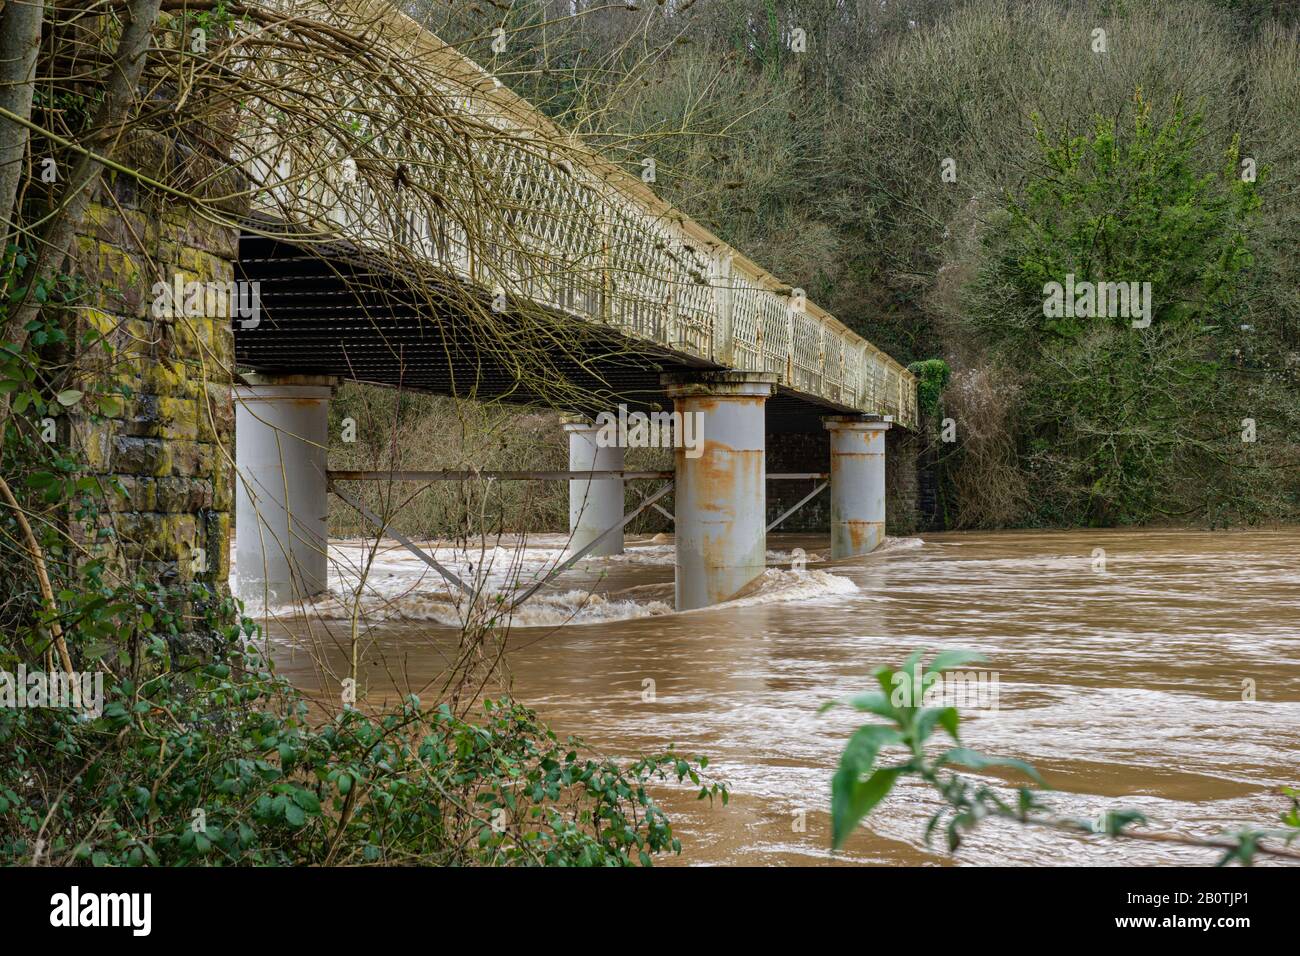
(333, 312)
(329, 310)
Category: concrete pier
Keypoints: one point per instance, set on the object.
(720, 494)
(857, 483)
(594, 504)
(281, 495)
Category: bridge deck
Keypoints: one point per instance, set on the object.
(483, 201)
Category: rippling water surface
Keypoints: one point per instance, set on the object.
(1124, 686)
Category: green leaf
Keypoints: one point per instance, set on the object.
(872, 702)
(1113, 822)
(851, 800)
(973, 760)
(947, 660)
(885, 678)
(41, 479)
(68, 397)
(110, 406)
(860, 800)
(925, 721)
(950, 720)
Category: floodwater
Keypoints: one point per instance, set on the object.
(1160, 673)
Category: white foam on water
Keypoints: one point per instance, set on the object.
(399, 586)
(442, 607)
(650, 554)
(788, 557)
(898, 544)
(777, 585)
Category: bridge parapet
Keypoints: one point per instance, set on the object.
(477, 184)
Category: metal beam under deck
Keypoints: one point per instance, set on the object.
(331, 312)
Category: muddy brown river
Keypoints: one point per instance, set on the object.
(1151, 670)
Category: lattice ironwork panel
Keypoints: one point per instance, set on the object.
(774, 316)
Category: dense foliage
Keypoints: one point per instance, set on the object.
(1116, 409)
(932, 377)
(922, 169)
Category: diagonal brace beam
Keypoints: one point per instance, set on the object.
(570, 561)
(802, 501)
(428, 559)
(659, 508)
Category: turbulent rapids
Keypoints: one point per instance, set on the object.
(385, 582)
(1123, 686)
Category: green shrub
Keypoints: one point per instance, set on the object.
(216, 762)
(1115, 414)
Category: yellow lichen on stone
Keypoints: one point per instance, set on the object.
(169, 444)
